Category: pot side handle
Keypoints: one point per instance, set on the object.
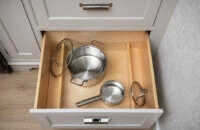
(81, 84)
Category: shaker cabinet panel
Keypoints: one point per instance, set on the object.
(16, 33)
(95, 13)
(117, 118)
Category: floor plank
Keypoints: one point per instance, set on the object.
(17, 93)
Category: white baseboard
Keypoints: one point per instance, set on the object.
(156, 125)
(23, 66)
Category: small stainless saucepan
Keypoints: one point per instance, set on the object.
(112, 93)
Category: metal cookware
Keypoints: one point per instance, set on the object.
(87, 65)
(138, 94)
(112, 93)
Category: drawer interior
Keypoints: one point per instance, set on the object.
(129, 59)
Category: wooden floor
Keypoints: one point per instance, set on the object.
(17, 93)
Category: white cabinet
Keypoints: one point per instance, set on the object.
(16, 34)
(68, 14)
(55, 97)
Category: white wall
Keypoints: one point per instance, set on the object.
(177, 66)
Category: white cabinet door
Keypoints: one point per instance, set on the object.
(68, 14)
(16, 34)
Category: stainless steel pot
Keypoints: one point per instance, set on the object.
(87, 65)
(112, 93)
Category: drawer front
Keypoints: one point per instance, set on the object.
(68, 13)
(82, 118)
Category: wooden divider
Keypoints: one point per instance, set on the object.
(56, 83)
(129, 54)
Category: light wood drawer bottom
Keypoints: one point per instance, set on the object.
(129, 59)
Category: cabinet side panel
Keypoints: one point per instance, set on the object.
(152, 72)
(18, 28)
(43, 75)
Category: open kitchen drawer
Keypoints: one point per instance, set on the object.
(129, 59)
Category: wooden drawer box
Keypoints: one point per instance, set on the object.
(129, 59)
(53, 14)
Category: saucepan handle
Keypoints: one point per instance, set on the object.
(81, 84)
(97, 43)
(89, 100)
